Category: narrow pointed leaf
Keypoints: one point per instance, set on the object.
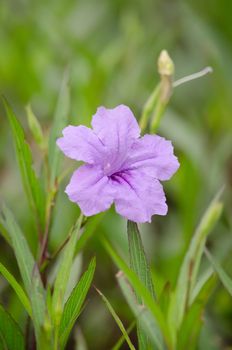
(27, 266)
(201, 281)
(146, 320)
(10, 333)
(121, 340)
(139, 265)
(35, 127)
(140, 289)
(223, 276)
(117, 320)
(193, 320)
(189, 269)
(32, 186)
(138, 260)
(17, 288)
(63, 274)
(75, 302)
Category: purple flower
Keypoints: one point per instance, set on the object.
(120, 166)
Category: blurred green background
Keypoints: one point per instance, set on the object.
(111, 48)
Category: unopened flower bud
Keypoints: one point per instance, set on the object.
(165, 64)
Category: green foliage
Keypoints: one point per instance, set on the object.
(139, 265)
(138, 260)
(11, 337)
(108, 67)
(140, 290)
(73, 306)
(146, 320)
(190, 328)
(17, 288)
(117, 320)
(181, 297)
(223, 276)
(35, 128)
(122, 338)
(62, 278)
(32, 186)
(90, 227)
(28, 269)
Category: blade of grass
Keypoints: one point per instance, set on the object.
(10, 332)
(28, 269)
(17, 288)
(117, 319)
(140, 289)
(189, 269)
(62, 278)
(146, 320)
(122, 339)
(193, 320)
(201, 281)
(32, 186)
(224, 278)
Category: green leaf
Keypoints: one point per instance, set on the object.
(141, 290)
(27, 267)
(138, 260)
(10, 332)
(201, 281)
(63, 274)
(117, 319)
(35, 128)
(74, 303)
(224, 278)
(139, 265)
(164, 297)
(32, 187)
(121, 340)
(189, 331)
(59, 122)
(189, 269)
(4, 234)
(17, 288)
(146, 320)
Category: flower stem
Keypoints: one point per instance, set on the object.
(149, 107)
(44, 243)
(160, 96)
(193, 76)
(160, 108)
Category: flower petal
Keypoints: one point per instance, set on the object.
(81, 143)
(138, 196)
(90, 189)
(117, 128)
(154, 155)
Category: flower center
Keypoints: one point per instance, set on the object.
(107, 168)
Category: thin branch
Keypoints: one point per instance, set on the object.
(193, 76)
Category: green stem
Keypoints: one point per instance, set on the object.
(56, 339)
(159, 111)
(149, 107)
